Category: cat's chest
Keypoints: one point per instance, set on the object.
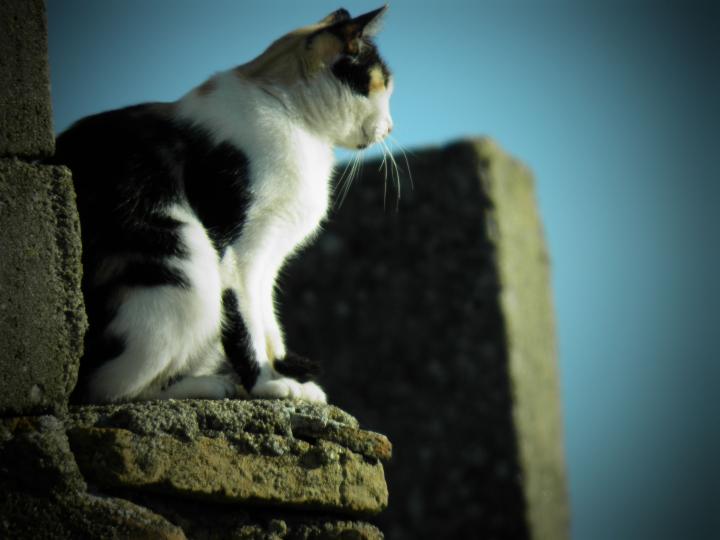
(294, 184)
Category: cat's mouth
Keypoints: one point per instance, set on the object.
(364, 145)
(377, 136)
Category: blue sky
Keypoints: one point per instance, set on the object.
(613, 105)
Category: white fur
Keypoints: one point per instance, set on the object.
(288, 135)
(168, 330)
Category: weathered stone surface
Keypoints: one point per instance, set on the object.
(42, 320)
(110, 517)
(527, 311)
(291, 530)
(25, 110)
(332, 529)
(85, 516)
(202, 521)
(434, 325)
(35, 457)
(251, 452)
(43, 495)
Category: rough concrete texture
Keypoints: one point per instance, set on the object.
(434, 324)
(25, 110)
(43, 494)
(86, 516)
(253, 452)
(35, 457)
(527, 310)
(42, 319)
(202, 521)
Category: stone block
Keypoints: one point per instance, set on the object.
(35, 457)
(202, 521)
(25, 107)
(434, 324)
(43, 494)
(42, 319)
(278, 454)
(215, 469)
(84, 516)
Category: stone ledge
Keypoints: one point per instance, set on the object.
(190, 469)
(265, 453)
(188, 419)
(82, 516)
(218, 522)
(43, 494)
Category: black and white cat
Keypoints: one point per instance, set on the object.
(189, 209)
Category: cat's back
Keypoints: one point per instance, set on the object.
(116, 140)
(134, 163)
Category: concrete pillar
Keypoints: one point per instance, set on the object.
(25, 109)
(434, 324)
(42, 320)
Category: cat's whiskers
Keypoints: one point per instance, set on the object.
(340, 180)
(344, 188)
(355, 165)
(358, 170)
(384, 167)
(407, 162)
(388, 163)
(394, 173)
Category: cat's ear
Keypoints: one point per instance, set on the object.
(343, 35)
(352, 31)
(370, 24)
(336, 16)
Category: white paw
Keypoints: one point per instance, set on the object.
(314, 393)
(289, 388)
(202, 387)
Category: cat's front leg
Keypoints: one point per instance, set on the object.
(285, 362)
(290, 374)
(252, 335)
(274, 338)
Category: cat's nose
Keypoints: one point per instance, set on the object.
(387, 131)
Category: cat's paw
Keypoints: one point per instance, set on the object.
(289, 388)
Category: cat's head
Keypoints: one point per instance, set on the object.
(334, 72)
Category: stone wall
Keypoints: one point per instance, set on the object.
(25, 110)
(192, 469)
(434, 323)
(41, 309)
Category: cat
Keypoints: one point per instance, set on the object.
(189, 209)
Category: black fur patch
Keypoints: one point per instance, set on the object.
(129, 165)
(152, 273)
(235, 342)
(297, 367)
(339, 15)
(355, 70)
(153, 236)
